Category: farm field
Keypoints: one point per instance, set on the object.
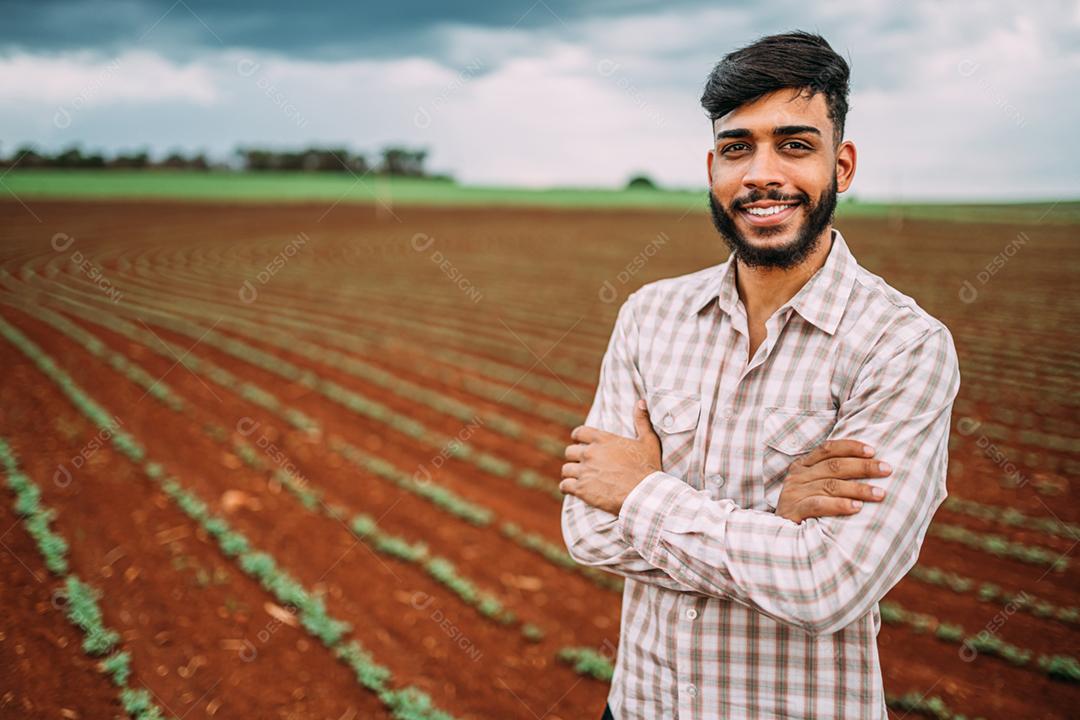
(301, 459)
(389, 192)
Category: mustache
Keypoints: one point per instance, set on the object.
(773, 195)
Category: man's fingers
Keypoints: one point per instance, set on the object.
(836, 448)
(575, 452)
(822, 506)
(571, 470)
(642, 425)
(847, 468)
(850, 489)
(586, 434)
(567, 487)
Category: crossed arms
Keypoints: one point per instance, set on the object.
(820, 575)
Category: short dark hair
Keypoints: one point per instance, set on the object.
(796, 59)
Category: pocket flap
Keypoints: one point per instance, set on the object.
(672, 411)
(794, 431)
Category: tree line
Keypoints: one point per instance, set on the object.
(392, 160)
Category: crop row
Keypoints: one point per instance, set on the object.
(368, 372)
(549, 550)
(587, 661)
(441, 497)
(407, 703)
(473, 332)
(354, 336)
(80, 599)
(364, 527)
(354, 402)
(1012, 517)
(929, 705)
(1000, 546)
(990, 592)
(431, 398)
(1062, 667)
(441, 569)
(1012, 417)
(1029, 437)
(1009, 476)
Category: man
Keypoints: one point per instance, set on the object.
(734, 497)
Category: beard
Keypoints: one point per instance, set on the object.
(819, 215)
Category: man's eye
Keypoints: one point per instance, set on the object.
(802, 145)
(732, 147)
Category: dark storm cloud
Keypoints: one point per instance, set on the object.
(182, 28)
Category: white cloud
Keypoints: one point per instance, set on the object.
(951, 102)
(83, 78)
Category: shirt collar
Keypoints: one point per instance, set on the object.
(821, 301)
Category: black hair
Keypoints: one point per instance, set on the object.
(796, 59)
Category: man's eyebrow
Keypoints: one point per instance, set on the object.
(779, 130)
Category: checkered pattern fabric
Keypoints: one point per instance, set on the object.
(730, 611)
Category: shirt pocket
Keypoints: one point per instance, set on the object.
(674, 415)
(790, 433)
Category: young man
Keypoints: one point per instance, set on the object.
(741, 409)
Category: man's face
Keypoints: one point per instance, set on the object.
(774, 176)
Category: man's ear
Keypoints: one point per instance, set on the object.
(846, 158)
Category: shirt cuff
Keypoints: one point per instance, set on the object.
(646, 509)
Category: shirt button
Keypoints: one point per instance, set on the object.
(691, 690)
(668, 419)
(717, 480)
(792, 445)
(691, 614)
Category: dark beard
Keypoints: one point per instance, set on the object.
(786, 256)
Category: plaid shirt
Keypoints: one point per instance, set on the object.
(730, 611)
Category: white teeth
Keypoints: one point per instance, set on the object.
(767, 211)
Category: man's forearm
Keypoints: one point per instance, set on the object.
(595, 538)
(806, 575)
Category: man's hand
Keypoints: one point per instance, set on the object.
(818, 484)
(605, 467)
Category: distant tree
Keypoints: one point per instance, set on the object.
(395, 160)
(326, 160)
(358, 164)
(134, 161)
(27, 157)
(403, 161)
(70, 158)
(254, 159)
(641, 182)
(73, 157)
(174, 161)
(178, 161)
(312, 159)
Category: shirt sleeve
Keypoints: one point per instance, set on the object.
(824, 573)
(595, 537)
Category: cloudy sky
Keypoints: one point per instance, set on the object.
(949, 100)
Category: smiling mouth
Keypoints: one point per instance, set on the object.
(769, 215)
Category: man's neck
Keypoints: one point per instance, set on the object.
(763, 290)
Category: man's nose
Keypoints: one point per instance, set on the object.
(764, 170)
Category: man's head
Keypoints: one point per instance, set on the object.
(777, 109)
